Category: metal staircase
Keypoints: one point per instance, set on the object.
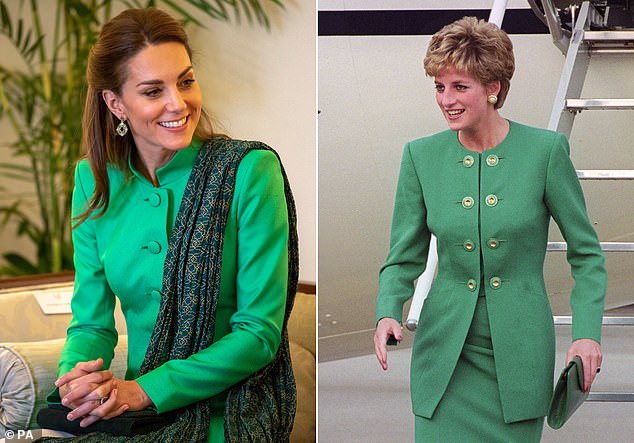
(582, 44)
(593, 27)
(589, 34)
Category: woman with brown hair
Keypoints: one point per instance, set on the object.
(483, 356)
(195, 234)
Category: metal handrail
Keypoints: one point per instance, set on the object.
(611, 397)
(605, 174)
(550, 18)
(608, 320)
(606, 246)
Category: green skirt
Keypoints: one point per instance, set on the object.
(471, 410)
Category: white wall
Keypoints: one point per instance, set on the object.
(259, 85)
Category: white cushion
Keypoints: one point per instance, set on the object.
(17, 391)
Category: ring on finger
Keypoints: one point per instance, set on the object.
(102, 400)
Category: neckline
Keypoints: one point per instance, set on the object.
(176, 168)
(494, 150)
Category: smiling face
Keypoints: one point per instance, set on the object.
(160, 99)
(463, 99)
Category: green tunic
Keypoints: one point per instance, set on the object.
(490, 214)
(122, 253)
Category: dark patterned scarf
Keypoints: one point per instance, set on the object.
(261, 408)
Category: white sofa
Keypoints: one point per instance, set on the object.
(31, 343)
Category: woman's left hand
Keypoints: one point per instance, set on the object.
(126, 395)
(591, 357)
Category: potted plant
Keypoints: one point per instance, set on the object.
(43, 103)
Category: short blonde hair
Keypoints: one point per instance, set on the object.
(474, 46)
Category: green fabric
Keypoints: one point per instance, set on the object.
(533, 179)
(470, 411)
(112, 257)
(262, 408)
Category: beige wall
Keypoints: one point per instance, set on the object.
(257, 85)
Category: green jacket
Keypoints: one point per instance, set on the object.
(122, 254)
(496, 205)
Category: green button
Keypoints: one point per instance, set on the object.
(154, 247)
(154, 199)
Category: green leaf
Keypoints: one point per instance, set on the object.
(7, 28)
(26, 227)
(139, 4)
(29, 51)
(183, 12)
(20, 263)
(218, 10)
(9, 212)
(14, 167)
(24, 178)
(18, 37)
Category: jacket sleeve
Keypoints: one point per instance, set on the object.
(261, 286)
(564, 198)
(409, 243)
(92, 332)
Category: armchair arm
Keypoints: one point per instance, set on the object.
(302, 337)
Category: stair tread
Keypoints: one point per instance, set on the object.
(609, 36)
(600, 103)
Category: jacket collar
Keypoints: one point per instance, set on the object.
(180, 165)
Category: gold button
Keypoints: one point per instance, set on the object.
(468, 245)
(491, 200)
(493, 243)
(492, 160)
(467, 202)
(471, 284)
(495, 282)
(468, 161)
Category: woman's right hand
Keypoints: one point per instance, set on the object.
(384, 328)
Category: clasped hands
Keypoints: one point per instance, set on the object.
(84, 389)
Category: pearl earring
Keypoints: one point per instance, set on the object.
(493, 99)
(122, 128)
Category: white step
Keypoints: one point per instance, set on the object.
(624, 36)
(605, 174)
(609, 42)
(605, 246)
(579, 104)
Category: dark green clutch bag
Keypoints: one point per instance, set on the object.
(568, 395)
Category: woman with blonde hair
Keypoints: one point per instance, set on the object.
(483, 356)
